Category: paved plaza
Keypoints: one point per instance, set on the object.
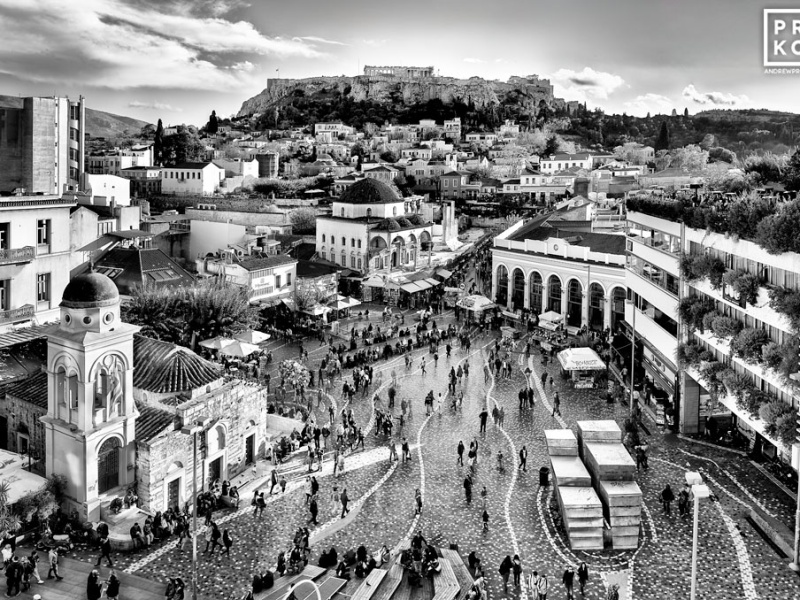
(734, 561)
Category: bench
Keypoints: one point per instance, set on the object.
(445, 583)
(390, 583)
(327, 589)
(461, 571)
(282, 584)
(370, 585)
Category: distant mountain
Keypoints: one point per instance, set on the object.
(98, 123)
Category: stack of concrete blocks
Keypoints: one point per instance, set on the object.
(613, 473)
(580, 507)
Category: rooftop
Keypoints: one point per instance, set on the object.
(256, 264)
(596, 242)
(369, 191)
(152, 422)
(165, 368)
(132, 266)
(32, 389)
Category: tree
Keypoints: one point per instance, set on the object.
(158, 144)
(662, 141)
(719, 154)
(182, 147)
(389, 156)
(303, 220)
(213, 124)
(792, 177)
(690, 158)
(186, 315)
(551, 147)
(686, 112)
(308, 293)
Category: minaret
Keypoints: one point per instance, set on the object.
(91, 416)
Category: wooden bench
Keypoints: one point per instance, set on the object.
(445, 583)
(404, 589)
(327, 589)
(282, 584)
(390, 583)
(370, 585)
(461, 571)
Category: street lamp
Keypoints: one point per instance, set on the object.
(699, 490)
(193, 430)
(291, 595)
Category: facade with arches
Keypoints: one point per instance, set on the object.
(581, 279)
(107, 410)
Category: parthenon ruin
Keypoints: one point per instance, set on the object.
(412, 72)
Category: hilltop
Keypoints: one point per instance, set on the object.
(98, 123)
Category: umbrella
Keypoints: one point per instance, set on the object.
(580, 359)
(239, 349)
(551, 315)
(476, 303)
(217, 343)
(252, 337)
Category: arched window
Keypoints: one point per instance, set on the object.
(394, 211)
(322, 254)
(359, 263)
(323, 238)
(352, 242)
(343, 211)
(353, 262)
(359, 243)
(344, 259)
(344, 241)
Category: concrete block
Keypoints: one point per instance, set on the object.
(609, 461)
(569, 471)
(619, 493)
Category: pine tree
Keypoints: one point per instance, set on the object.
(213, 124)
(158, 144)
(662, 141)
(686, 112)
(648, 115)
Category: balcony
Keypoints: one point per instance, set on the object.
(649, 329)
(17, 314)
(10, 256)
(761, 310)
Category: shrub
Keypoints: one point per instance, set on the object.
(786, 427)
(775, 413)
(777, 233)
(771, 355)
(692, 309)
(746, 287)
(707, 356)
(786, 301)
(725, 327)
(710, 372)
(749, 343)
(710, 266)
(688, 354)
(750, 401)
(737, 385)
(708, 320)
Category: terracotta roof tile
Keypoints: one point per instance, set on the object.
(32, 389)
(164, 368)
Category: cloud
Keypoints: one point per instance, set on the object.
(587, 84)
(154, 106)
(649, 103)
(319, 40)
(374, 43)
(475, 61)
(714, 98)
(121, 44)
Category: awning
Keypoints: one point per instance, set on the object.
(316, 310)
(217, 343)
(414, 286)
(443, 273)
(580, 359)
(240, 349)
(551, 316)
(289, 302)
(375, 282)
(476, 303)
(252, 337)
(433, 282)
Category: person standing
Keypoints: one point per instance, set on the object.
(460, 450)
(533, 584)
(485, 519)
(541, 587)
(505, 571)
(94, 587)
(344, 500)
(683, 501)
(523, 458)
(468, 489)
(406, 450)
(227, 541)
(568, 579)
(52, 556)
(112, 586)
(556, 403)
(666, 499)
(14, 572)
(392, 450)
(483, 416)
(583, 576)
(516, 568)
(105, 552)
(418, 501)
(313, 509)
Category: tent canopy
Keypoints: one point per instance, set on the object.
(580, 359)
(375, 282)
(217, 343)
(252, 337)
(551, 316)
(316, 310)
(240, 349)
(476, 303)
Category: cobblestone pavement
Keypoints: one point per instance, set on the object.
(734, 561)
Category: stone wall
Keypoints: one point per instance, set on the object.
(23, 417)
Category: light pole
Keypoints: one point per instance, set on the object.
(193, 430)
(699, 490)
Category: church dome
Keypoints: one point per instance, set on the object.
(369, 191)
(90, 290)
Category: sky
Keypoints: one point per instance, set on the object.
(180, 59)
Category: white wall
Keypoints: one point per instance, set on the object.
(208, 236)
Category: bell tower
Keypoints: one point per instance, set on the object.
(91, 416)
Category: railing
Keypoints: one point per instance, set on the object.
(17, 255)
(17, 314)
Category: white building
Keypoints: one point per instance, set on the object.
(201, 178)
(266, 279)
(560, 162)
(371, 227)
(108, 190)
(581, 276)
(113, 162)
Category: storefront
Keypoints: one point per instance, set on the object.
(659, 395)
(582, 365)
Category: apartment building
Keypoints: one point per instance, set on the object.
(35, 258)
(266, 279)
(709, 325)
(114, 161)
(41, 145)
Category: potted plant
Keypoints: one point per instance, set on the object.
(749, 343)
(725, 327)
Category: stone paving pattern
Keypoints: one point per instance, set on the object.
(660, 567)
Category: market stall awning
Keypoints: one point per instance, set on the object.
(252, 337)
(433, 282)
(375, 282)
(217, 343)
(316, 310)
(551, 316)
(240, 349)
(580, 359)
(476, 303)
(414, 286)
(443, 273)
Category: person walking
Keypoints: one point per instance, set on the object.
(541, 587)
(344, 500)
(406, 450)
(227, 542)
(418, 501)
(556, 403)
(213, 537)
(52, 557)
(505, 571)
(468, 489)
(105, 552)
(33, 559)
(583, 576)
(313, 509)
(666, 497)
(94, 587)
(516, 568)
(112, 586)
(484, 415)
(460, 450)
(485, 519)
(613, 592)
(422, 365)
(568, 579)
(533, 584)
(392, 450)
(683, 501)
(523, 459)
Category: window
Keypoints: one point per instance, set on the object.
(5, 294)
(359, 263)
(369, 214)
(344, 259)
(5, 229)
(43, 287)
(343, 211)
(352, 262)
(352, 242)
(277, 281)
(394, 211)
(288, 279)
(323, 238)
(344, 241)
(359, 243)
(322, 254)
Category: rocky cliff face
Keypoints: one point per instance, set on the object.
(475, 91)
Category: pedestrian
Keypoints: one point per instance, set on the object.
(485, 519)
(52, 556)
(344, 500)
(406, 450)
(484, 415)
(523, 459)
(33, 559)
(112, 586)
(282, 484)
(516, 568)
(468, 489)
(105, 552)
(460, 450)
(313, 509)
(94, 587)
(14, 572)
(340, 464)
(418, 501)
(666, 497)
(541, 585)
(213, 535)
(422, 365)
(556, 404)
(227, 542)
(392, 450)
(583, 576)
(568, 579)
(613, 592)
(683, 501)
(505, 571)
(533, 584)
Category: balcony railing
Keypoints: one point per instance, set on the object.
(17, 314)
(17, 255)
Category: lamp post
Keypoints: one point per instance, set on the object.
(699, 490)
(193, 430)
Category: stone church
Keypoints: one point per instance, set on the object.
(108, 407)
